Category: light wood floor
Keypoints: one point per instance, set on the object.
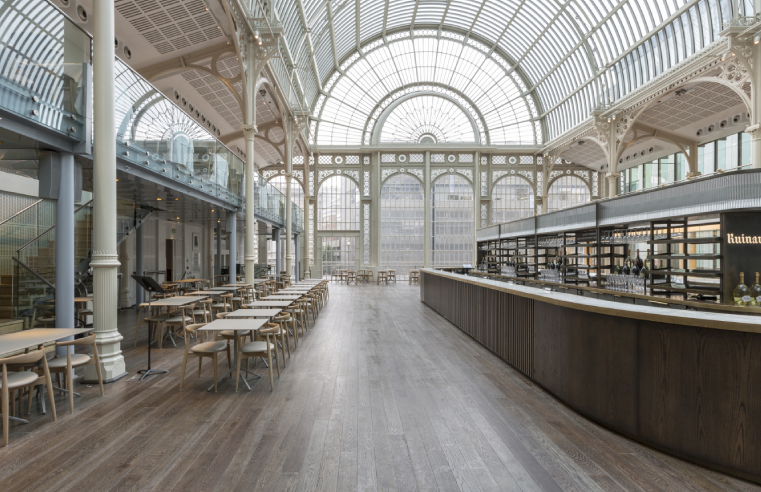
(382, 394)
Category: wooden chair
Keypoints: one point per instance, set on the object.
(181, 318)
(382, 276)
(221, 306)
(335, 275)
(59, 365)
(391, 275)
(414, 276)
(11, 381)
(260, 348)
(351, 276)
(297, 314)
(201, 350)
(282, 320)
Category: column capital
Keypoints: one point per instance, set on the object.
(612, 175)
(249, 131)
(753, 130)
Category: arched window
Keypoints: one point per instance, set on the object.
(567, 191)
(452, 221)
(402, 224)
(512, 198)
(338, 205)
(427, 119)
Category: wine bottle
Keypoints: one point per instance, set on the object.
(626, 270)
(742, 293)
(755, 293)
(634, 267)
(618, 268)
(638, 262)
(645, 271)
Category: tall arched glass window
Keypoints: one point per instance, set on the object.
(402, 224)
(338, 205)
(452, 221)
(567, 191)
(512, 198)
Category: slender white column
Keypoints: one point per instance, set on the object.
(612, 188)
(105, 260)
(290, 134)
(375, 210)
(138, 264)
(232, 244)
(249, 132)
(218, 253)
(278, 251)
(427, 211)
(307, 222)
(476, 204)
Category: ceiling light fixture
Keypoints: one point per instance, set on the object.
(159, 199)
(757, 39)
(256, 33)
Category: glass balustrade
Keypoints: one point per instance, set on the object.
(45, 77)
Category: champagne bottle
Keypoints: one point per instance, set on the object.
(634, 267)
(618, 268)
(742, 293)
(639, 262)
(626, 270)
(755, 293)
(645, 271)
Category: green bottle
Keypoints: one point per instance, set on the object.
(755, 293)
(742, 293)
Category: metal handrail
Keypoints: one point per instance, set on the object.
(33, 272)
(20, 212)
(48, 230)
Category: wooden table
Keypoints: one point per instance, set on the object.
(238, 326)
(173, 302)
(253, 313)
(20, 340)
(24, 339)
(268, 304)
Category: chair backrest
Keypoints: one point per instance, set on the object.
(189, 330)
(88, 340)
(23, 359)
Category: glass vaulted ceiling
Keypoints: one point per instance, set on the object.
(574, 55)
(425, 62)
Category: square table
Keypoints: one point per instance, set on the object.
(20, 340)
(253, 313)
(173, 302)
(206, 293)
(238, 326)
(280, 297)
(268, 304)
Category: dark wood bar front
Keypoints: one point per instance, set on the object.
(686, 382)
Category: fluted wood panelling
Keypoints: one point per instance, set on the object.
(501, 322)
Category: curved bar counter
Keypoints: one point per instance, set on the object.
(685, 382)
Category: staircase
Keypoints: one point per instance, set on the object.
(27, 257)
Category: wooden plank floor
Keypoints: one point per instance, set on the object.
(382, 394)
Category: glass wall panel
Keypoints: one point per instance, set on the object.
(402, 224)
(567, 191)
(338, 253)
(338, 205)
(452, 221)
(512, 198)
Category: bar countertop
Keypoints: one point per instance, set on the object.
(700, 319)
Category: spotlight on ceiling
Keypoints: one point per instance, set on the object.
(757, 39)
(256, 34)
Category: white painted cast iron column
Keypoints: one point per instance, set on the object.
(289, 137)
(427, 211)
(249, 132)
(232, 245)
(105, 260)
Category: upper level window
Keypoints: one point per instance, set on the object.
(338, 205)
(427, 119)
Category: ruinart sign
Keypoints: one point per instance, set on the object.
(743, 239)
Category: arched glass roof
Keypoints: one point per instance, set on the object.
(406, 64)
(572, 55)
(427, 119)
